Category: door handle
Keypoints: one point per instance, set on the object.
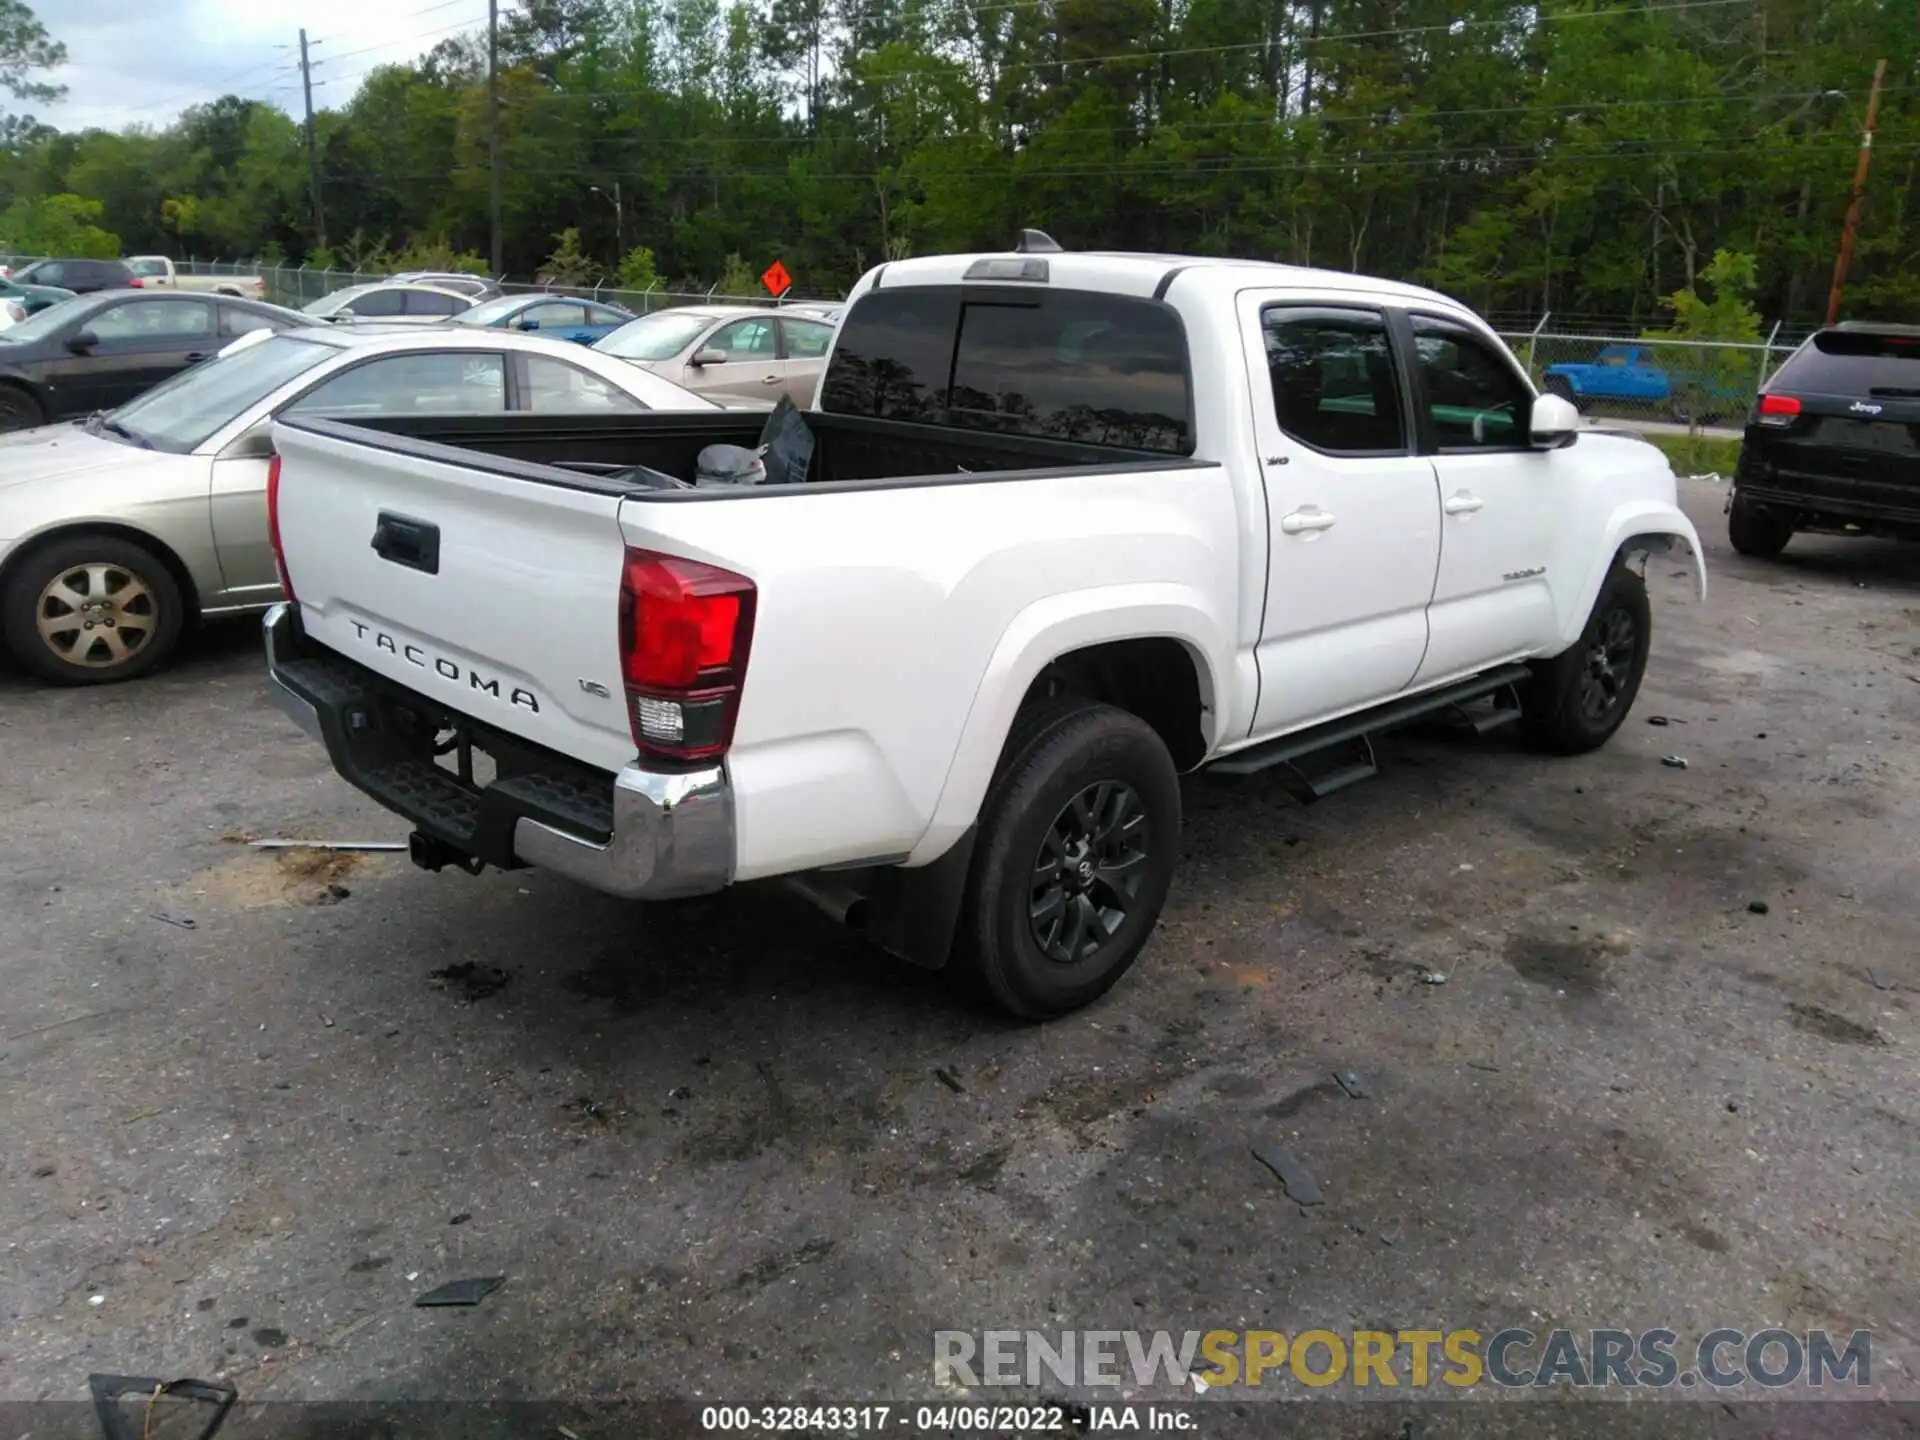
(1464, 503)
(771, 380)
(1307, 521)
(412, 543)
(195, 357)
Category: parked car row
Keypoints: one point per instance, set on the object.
(140, 408)
(118, 531)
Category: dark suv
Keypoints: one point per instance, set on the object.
(1833, 443)
(83, 277)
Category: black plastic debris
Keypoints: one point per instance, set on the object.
(1290, 1171)
(474, 981)
(950, 1080)
(1757, 907)
(463, 1292)
(1674, 762)
(1354, 1083)
(1658, 720)
(130, 1407)
(175, 917)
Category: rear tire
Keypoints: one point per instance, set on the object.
(1757, 532)
(1078, 839)
(92, 610)
(1575, 701)
(19, 410)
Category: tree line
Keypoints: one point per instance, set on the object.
(1583, 157)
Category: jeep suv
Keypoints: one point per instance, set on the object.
(1833, 443)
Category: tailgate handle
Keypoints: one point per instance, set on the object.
(413, 543)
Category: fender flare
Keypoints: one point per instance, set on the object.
(1033, 640)
(1656, 522)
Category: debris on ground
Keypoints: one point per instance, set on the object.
(1674, 762)
(129, 1407)
(461, 1218)
(1483, 1065)
(328, 844)
(1873, 979)
(175, 917)
(1354, 1083)
(1429, 977)
(1658, 720)
(474, 980)
(950, 1080)
(1757, 907)
(332, 895)
(463, 1292)
(1291, 1172)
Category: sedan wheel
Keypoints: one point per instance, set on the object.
(19, 410)
(98, 616)
(92, 610)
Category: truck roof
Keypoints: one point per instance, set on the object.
(1125, 273)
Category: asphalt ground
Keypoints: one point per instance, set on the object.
(721, 1151)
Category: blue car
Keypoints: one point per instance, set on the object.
(559, 317)
(1627, 373)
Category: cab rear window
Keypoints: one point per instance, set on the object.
(1852, 362)
(1065, 365)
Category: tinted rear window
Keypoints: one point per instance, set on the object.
(1067, 365)
(1840, 362)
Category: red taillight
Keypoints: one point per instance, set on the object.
(136, 283)
(273, 525)
(685, 629)
(1777, 410)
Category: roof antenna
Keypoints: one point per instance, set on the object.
(1037, 242)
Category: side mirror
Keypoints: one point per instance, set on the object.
(709, 356)
(529, 324)
(1554, 423)
(345, 312)
(81, 341)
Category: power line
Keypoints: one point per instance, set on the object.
(1228, 168)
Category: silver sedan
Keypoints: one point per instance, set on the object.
(117, 532)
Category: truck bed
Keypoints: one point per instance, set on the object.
(613, 452)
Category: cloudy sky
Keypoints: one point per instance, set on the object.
(141, 64)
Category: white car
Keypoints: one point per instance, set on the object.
(403, 302)
(1058, 528)
(117, 533)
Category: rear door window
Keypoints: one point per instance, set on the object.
(378, 302)
(1066, 365)
(1335, 386)
(1857, 363)
(432, 302)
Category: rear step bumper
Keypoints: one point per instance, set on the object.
(641, 834)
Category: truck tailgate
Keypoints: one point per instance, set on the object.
(495, 595)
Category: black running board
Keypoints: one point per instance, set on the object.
(1355, 734)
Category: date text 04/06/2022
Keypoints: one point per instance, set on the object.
(946, 1420)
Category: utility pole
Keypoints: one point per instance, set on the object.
(493, 135)
(1845, 257)
(313, 165)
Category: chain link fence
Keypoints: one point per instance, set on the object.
(1618, 375)
(298, 285)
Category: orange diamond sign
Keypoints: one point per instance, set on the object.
(776, 279)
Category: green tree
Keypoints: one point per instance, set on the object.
(57, 225)
(1707, 378)
(567, 265)
(637, 270)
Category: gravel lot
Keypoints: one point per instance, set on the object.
(712, 1147)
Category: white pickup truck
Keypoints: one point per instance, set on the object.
(157, 272)
(1071, 525)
